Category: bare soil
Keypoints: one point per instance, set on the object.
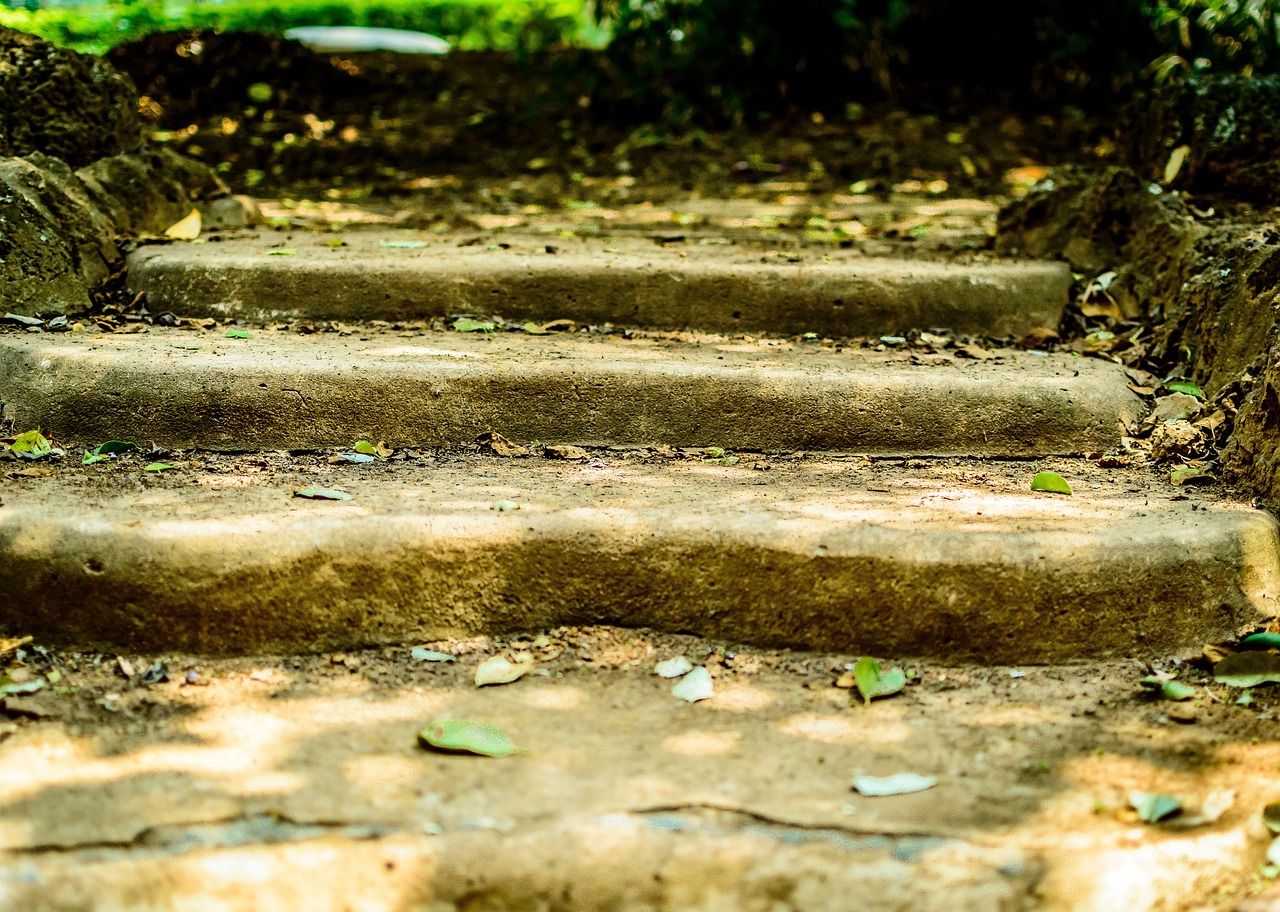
(128, 754)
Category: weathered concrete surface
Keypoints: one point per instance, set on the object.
(964, 562)
(284, 784)
(620, 864)
(282, 390)
(624, 281)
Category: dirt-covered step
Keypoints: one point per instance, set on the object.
(284, 390)
(958, 559)
(285, 783)
(397, 275)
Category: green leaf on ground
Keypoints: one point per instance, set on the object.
(11, 688)
(32, 445)
(1167, 687)
(323, 494)
(419, 654)
(403, 245)
(872, 682)
(283, 251)
(91, 457)
(1186, 387)
(365, 447)
(1050, 482)
(470, 326)
(115, 447)
(897, 784)
(156, 467)
(1265, 640)
(501, 670)
(1248, 669)
(238, 334)
(505, 506)
(460, 736)
(1153, 807)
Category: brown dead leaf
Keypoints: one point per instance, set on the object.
(564, 451)
(1213, 653)
(13, 644)
(1039, 337)
(975, 352)
(32, 472)
(498, 445)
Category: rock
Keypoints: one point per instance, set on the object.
(1210, 289)
(1174, 440)
(229, 212)
(1252, 458)
(1183, 715)
(1101, 221)
(564, 451)
(29, 707)
(1230, 125)
(62, 103)
(1175, 407)
(146, 191)
(55, 243)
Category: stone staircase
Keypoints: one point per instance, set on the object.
(710, 463)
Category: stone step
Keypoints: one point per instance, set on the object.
(283, 390)
(625, 281)
(297, 783)
(954, 559)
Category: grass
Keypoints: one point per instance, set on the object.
(468, 24)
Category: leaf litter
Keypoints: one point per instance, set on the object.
(873, 682)
(503, 670)
(695, 686)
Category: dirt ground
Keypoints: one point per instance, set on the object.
(137, 753)
(489, 130)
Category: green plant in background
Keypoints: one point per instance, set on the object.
(731, 59)
(468, 24)
(1216, 35)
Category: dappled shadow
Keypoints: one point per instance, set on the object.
(314, 781)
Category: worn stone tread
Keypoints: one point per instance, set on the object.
(626, 281)
(960, 561)
(282, 390)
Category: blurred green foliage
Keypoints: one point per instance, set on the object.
(1216, 35)
(749, 60)
(468, 24)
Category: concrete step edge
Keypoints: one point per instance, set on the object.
(286, 391)
(728, 290)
